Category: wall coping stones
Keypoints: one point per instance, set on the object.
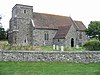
(50, 51)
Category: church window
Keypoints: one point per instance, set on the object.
(25, 11)
(46, 36)
(25, 40)
(14, 24)
(15, 39)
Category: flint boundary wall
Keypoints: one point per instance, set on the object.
(54, 56)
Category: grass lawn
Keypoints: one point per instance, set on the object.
(47, 68)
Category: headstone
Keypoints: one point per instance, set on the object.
(57, 47)
(77, 46)
(44, 43)
(62, 48)
(54, 47)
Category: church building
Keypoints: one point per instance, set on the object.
(39, 29)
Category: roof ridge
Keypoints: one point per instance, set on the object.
(51, 14)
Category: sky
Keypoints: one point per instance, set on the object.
(81, 10)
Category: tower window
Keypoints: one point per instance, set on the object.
(25, 11)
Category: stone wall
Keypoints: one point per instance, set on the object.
(68, 56)
(39, 38)
(71, 34)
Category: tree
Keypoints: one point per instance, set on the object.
(93, 30)
(2, 34)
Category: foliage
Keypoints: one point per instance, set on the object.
(2, 34)
(94, 29)
(48, 68)
(92, 45)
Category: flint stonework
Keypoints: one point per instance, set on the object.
(55, 56)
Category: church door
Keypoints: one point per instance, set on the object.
(72, 42)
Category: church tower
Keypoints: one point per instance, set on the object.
(20, 32)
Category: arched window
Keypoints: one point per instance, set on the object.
(46, 36)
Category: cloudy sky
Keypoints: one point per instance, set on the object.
(83, 10)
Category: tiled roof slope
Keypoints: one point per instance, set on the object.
(80, 25)
(50, 21)
(62, 32)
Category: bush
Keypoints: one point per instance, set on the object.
(92, 45)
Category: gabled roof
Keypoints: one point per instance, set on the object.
(62, 32)
(50, 21)
(80, 25)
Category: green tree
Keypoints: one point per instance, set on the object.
(93, 30)
(2, 34)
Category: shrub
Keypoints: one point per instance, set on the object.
(92, 45)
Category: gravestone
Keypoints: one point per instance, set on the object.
(54, 47)
(62, 48)
(57, 47)
(77, 46)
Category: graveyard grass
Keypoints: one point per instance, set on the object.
(48, 68)
(5, 46)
